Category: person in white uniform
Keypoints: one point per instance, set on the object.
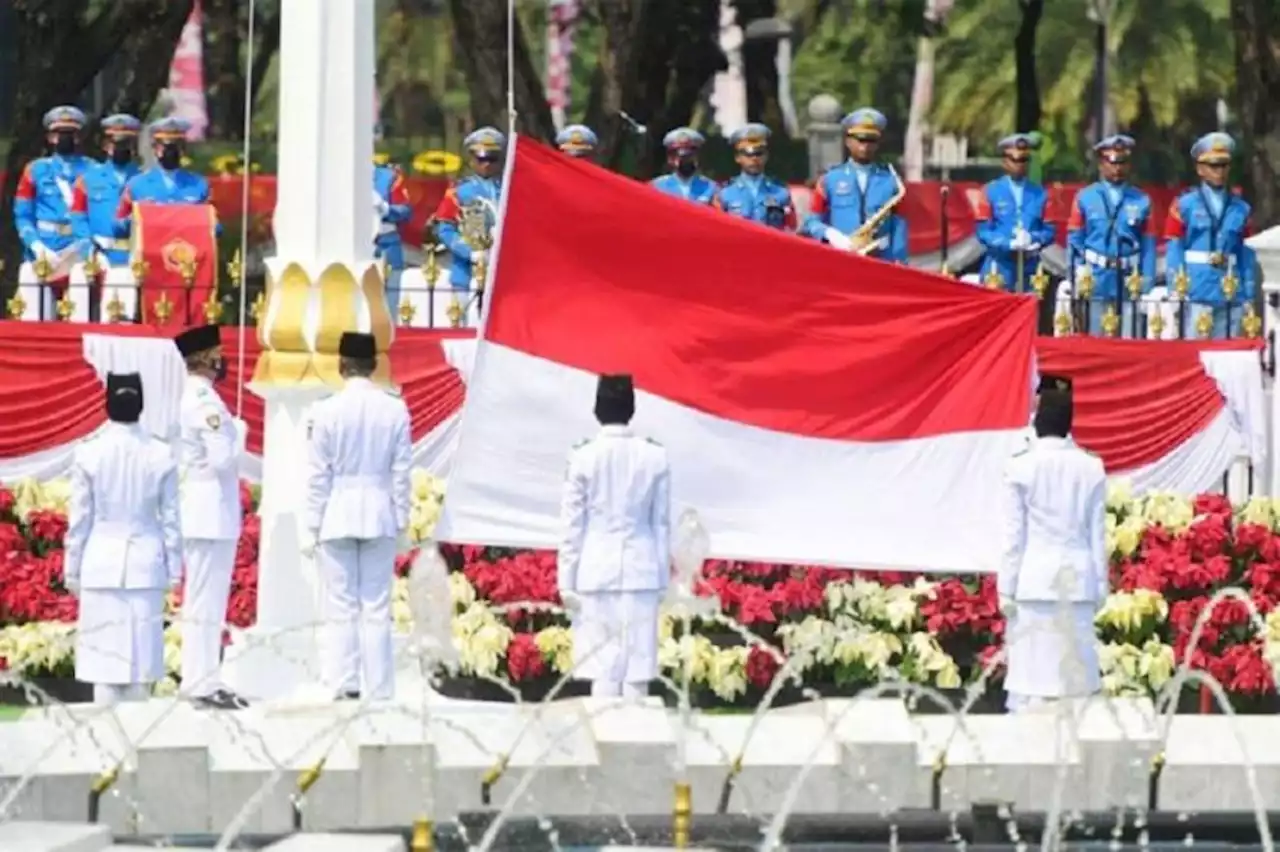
(615, 558)
(357, 509)
(1053, 570)
(211, 442)
(123, 549)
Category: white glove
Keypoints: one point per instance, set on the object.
(1007, 607)
(40, 250)
(837, 239)
(1032, 248)
(383, 207)
(572, 601)
(310, 541)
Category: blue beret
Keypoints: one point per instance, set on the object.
(64, 118)
(864, 121)
(1021, 141)
(485, 140)
(577, 137)
(121, 124)
(170, 129)
(683, 137)
(752, 135)
(1213, 148)
(1118, 141)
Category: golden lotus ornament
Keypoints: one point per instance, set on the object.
(994, 280)
(1182, 284)
(1156, 323)
(1111, 322)
(1250, 322)
(115, 307)
(1040, 281)
(1062, 322)
(64, 306)
(16, 306)
(1204, 325)
(1084, 283)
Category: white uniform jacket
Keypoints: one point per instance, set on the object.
(616, 515)
(1054, 511)
(210, 445)
(358, 459)
(123, 529)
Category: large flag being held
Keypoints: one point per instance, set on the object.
(818, 407)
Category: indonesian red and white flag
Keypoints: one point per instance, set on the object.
(817, 407)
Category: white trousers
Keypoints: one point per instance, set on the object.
(357, 575)
(611, 689)
(107, 694)
(209, 564)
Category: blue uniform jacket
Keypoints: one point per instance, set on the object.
(470, 190)
(1112, 238)
(93, 214)
(697, 188)
(42, 202)
(1195, 236)
(999, 213)
(388, 182)
(840, 202)
(759, 198)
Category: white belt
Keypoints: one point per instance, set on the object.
(1206, 258)
(1099, 259)
(386, 228)
(125, 530)
(54, 228)
(111, 244)
(363, 479)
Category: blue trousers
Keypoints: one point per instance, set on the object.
(393, 253)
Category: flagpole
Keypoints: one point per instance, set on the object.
(511, 68)
(244, 210)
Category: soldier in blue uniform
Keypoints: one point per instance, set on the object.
(167, 182)
(42, 212)
(684, 181)
(391, 199)
(1110, 238)
(853, 192)
(1010, 215)
(485, 149)
(577, 140)
(753, 194)
(1206, 229)
(97, 193)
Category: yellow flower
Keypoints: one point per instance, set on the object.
(426, 501)
(481, 640)
(727, 672)
(1123, 539)
(1260, 510)
(556, 645)
(1171, 511)
(1119, 495)
(1130, 611)
(401, 612)
(437, 163)
(461, 592)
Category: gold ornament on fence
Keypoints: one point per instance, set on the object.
(1111, 322)
(1182, 284)
(407, 311)
(115, 307)
(456, 312)
(234, 269)
(1062, 322)
(16, 306)
(163, 308)
(42, 268)
(92, 268)
(64, 306)
(1230, 285)
(1204, 325)
(1156, 322)
(1040, 281)
(140, 269)
(259, 307)
(430, 267)
(1084, 283)
(213, 308)
(1250, 322)
(1134, 285)
(994, 281)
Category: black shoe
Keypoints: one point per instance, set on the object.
(222, 699)
(349, 695)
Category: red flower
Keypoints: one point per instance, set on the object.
(47, 527)
(762, 666)
(524, 660)
(7, 501)
(1212, 504)
(404, 562)
(11, 538)
(1208, 536)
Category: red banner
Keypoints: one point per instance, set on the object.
(178, 249)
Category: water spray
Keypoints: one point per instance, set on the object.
(306, 781)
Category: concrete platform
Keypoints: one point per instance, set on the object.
(187, 771)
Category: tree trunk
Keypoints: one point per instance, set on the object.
(1027, 116)
(480, 27)
(656, 58)
(760, 67)
(1256, 25)
(58, 55)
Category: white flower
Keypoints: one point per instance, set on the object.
(556, 645)
(481, 640)
(38, 647)
(1119, 494)
(727, 672)
(461, 591)
(1129, 611)
(1171, 511)
(401, 612)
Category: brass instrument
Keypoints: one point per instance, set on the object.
(864, 238)
(475, 226)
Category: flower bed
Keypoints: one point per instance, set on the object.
(836, 632)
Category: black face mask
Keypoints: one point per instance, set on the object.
(219, 369)
(66, 144)
(170, 157)
(687, 168)
(121, 154)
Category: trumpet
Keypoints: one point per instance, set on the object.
(863, 239)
